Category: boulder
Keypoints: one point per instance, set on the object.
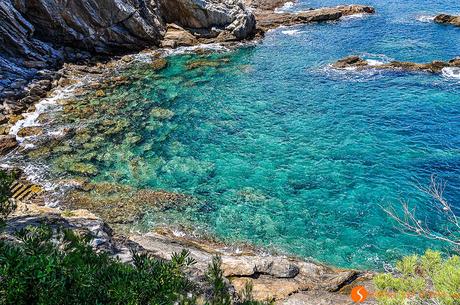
(177, 36)
(7, 144)
(447, 19)
(231, 15)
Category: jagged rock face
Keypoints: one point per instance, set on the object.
(103, 26)
(198, 14)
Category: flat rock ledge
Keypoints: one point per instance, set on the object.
(357, 63)
(447, 19)
(283, 279)
(268, 19)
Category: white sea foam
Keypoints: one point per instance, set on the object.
(425, 18)
(291, 32)
(45, 105)
(451, 72)
(354, 16)
(284, 8)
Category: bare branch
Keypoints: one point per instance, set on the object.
(410, 223)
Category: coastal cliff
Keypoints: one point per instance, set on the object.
(41, 34)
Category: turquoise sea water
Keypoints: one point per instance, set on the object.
(283, 151)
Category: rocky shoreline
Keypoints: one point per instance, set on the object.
(283, 279)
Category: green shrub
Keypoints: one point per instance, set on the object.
(40, 271)
(420, 278)
(46, 267)
(6, 206)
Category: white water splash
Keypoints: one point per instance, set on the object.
(451, 72)
(425, 18)
(44, 106)
(291, 32)
(285, 8)
(354, 16)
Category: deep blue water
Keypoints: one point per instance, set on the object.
(283, 151)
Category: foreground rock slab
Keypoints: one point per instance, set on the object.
(357, 63)
(273, 277)
(448, 19)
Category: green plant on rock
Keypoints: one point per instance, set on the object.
(419, 279)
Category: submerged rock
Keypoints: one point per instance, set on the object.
(355, 62)
(117, 203)
(159, 64)
(30, 131)
(447, 19)
(200, 63)
(161, 113)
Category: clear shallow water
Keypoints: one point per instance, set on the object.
(280, 149)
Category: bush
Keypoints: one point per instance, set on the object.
(6, 206)
(46, 267)
(421, 278)
(41, 271)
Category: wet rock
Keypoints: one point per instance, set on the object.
(159, 64)
(350, 61)
(4, 129)
(357, 63)
(7, 144)
(447, 19)
(177, 36)
(268, 19)
(85, 169)
(200, 63)
(3, 119)
(13, 119)
(30, 131)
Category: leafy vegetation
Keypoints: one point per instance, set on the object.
(6, 206)
(39, 270)
(420, 279)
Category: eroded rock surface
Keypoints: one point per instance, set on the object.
(272, 277)
(355, 62)
(448, 19)
(267, 19)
